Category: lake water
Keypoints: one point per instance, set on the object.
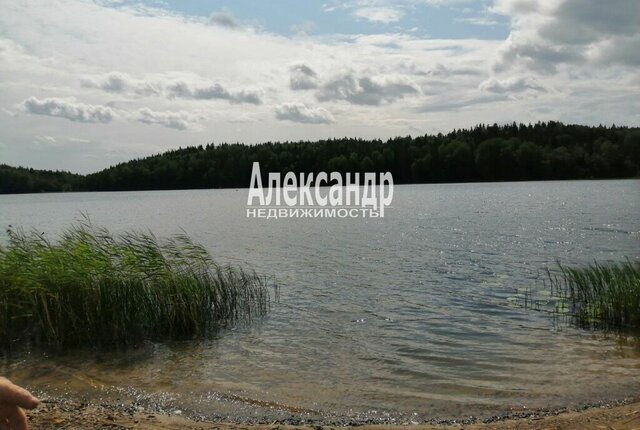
(412, 316)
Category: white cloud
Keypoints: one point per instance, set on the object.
(177, 120)
(479, 20)
(334, 5)
(303, 28)
(80, 112)
(299, 112)
(58, 141)
(169, 70)
(67, 108)
(45, 140)
(384, 15)
(112, 82)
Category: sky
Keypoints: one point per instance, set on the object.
(85, 84)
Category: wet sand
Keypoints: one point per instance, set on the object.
(63, 414)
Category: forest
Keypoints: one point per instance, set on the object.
(513, 152)
(16, 180)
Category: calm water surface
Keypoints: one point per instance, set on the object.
(415, 313)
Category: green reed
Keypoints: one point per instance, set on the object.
(600, 295)
(92, 288)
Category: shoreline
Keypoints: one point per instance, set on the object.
(62, 413)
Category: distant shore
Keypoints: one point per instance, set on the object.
(67, 414)
(484, 153)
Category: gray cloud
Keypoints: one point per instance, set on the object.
(298, 112)
(176, 120)
(303, 77)
(366, 90)
(586, 21)
(577, 31)
(67, 108)
(215, 91)
(170, 88)
(623, 50)
(447, 105)
(223, 19)
(116, 82)
(538, 55)
(511, 85)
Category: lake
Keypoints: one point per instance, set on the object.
(413, 316)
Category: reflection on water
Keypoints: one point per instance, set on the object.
(410, 313)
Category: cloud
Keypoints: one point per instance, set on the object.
(58, 141)
(366, 90)
(459, 104)
(623, 50)
(302, 77)
(298, 112)
(45, 140)
(546, 35)
(537, 55)
(303, 28)
(194, 88)
(182, 66)
(189, 90)
(479, 20)
(223, 19)
(518, 7)
(588, 21)
(440, 3)
(113, 82)
(441, 70)
(387, 11)
(80, 112)
(69, 109)
(116, 82)
(382, 15)
(177, 120)
(511, 85)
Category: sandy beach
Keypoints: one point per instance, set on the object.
(57, 414)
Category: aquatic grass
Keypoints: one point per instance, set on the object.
(92, 288)
(605, 296)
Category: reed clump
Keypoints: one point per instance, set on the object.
(605, 296)
(92, 288)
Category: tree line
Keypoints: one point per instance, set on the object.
(512, 152)
(16, 180)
